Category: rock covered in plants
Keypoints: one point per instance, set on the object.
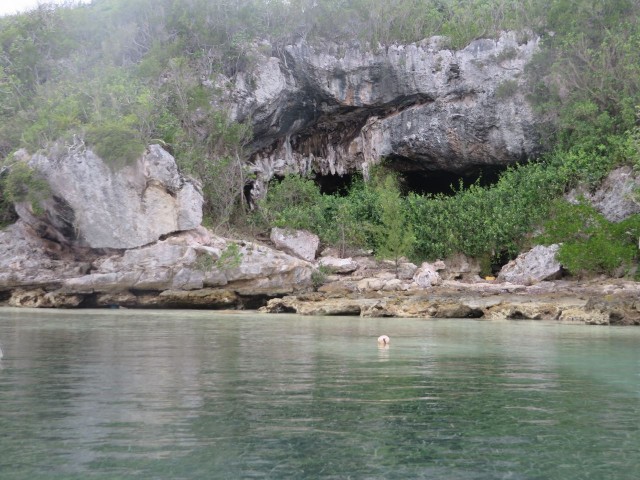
(536, 265)
(301, 243)
(96, 205)
(616, 197)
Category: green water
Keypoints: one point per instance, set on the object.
(190, 395)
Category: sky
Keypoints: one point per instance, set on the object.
(8, 7)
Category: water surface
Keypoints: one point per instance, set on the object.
(194, 394)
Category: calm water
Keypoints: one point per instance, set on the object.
(189, 395)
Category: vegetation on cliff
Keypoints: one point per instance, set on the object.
(117, 75)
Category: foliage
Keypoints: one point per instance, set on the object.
(319, 276)
(230, 258)
(506, 89)
(115, 143)
(395, 238)
(591, 243)
(23, 184)
(484, 221)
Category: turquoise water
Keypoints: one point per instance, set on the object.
(189, 395)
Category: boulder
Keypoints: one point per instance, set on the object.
(338, 265)
(427, 276)
(536, 265)
(300, 243)
(97, 206)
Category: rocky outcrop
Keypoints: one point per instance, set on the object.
(93, 205)
(608, 304)
(536, 265)
(616, 198)
(187, 269)
(336, 108)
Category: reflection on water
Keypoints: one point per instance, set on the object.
(175, 394)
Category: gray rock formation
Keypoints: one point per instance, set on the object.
(427, 275)
(300, 243)
(616, 197)
(179, 271)
(534, 266)
(97, 207)
(340, 108)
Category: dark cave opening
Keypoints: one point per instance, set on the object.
(447, 183)
(334, 184)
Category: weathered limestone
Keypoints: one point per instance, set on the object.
(616, 197)
(536, 265)
(300, 243)
(338, 265)
(337, 108)
(96, 206)
(427, 275)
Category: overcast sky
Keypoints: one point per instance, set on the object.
(13, 6)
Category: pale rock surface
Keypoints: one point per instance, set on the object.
(95, 206)
(339, 108)
(616, 197)
(536, 265)
(427, 276)
(300, 243)
(338, 265)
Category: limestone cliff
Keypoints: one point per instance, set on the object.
(340, 108)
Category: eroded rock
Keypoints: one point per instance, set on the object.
(534, 266)
(94, 205)
(300, 243)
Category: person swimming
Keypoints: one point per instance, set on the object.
(383, 340)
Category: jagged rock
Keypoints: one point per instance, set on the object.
(40, 298)
(427, 276)
(95, 206)
(524, 311)
(336, 108)
(406, 270)
(300, 243)
(616, 197)
(581, 315)
(338, 265)
(536, 265)
(186, 262)
(26, 259)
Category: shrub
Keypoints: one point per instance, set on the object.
(115, 143)
(23, 184)
(591, 243)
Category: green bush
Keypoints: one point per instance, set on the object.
(23, 184)
(115, 143)
(591, 243)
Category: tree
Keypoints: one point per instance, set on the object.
(395, 233)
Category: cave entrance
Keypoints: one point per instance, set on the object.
(334, 184)
(433, 182)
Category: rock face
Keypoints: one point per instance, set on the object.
(95, 206)
(179, 271)
(615, 198)
(300, 243)
(536, 265)
(336, 109)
